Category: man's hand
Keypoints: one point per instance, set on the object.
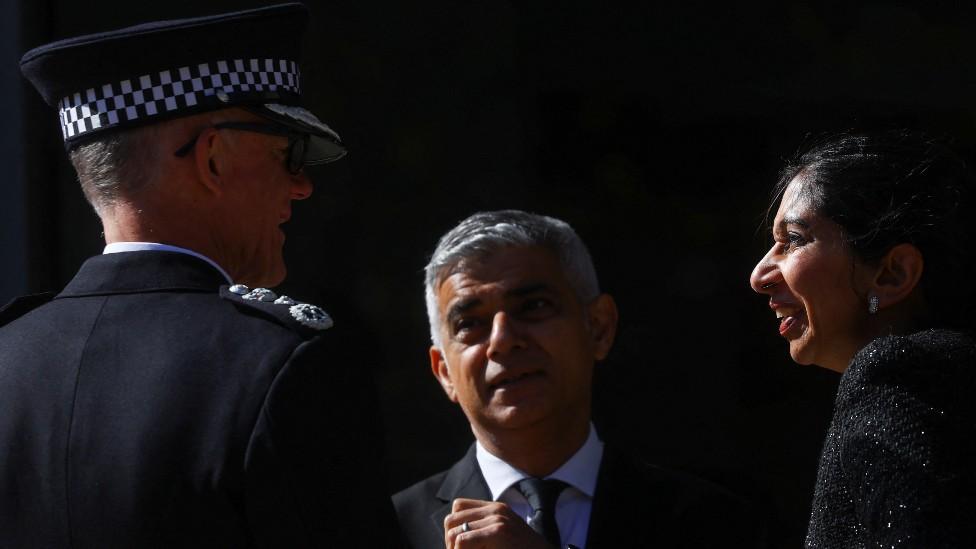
(491, 525)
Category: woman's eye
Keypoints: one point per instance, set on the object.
(794, 241)
(790, 242)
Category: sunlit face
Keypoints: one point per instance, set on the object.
(518, 346)
(814, 283)
(259, 194)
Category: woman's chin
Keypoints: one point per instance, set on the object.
(800, 353)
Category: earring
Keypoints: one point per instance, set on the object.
(872, 304)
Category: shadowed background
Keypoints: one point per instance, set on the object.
(656, 131)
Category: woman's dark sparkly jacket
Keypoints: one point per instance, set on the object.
(898, 463)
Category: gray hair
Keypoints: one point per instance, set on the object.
(486, 232)
(114, 165)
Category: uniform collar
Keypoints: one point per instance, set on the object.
(579, 471)
(149, 271)
(116, 247)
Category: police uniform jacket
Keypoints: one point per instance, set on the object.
(147, 406)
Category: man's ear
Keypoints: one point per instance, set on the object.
(211, 155)
(603, 315)
(897, 275)
(438, 365)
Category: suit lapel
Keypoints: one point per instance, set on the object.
(463, 480)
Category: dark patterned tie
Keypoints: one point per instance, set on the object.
(542, 496)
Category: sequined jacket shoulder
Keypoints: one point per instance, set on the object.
(897, 468)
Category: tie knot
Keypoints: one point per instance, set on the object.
(541, 493)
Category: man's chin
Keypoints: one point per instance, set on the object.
(518, 416)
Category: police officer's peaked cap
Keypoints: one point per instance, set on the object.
(146, 73)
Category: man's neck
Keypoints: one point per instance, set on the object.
(154, 221)
(127, 222)
(537, 450)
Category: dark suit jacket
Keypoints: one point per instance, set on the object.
(635, 505)
(144, 406)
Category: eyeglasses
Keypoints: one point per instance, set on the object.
(297, 142)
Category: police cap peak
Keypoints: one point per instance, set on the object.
(165, 69)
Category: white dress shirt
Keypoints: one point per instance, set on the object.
(116, 247)
(575, 503)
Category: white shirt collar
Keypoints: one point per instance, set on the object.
(580, 471)
(116, 247)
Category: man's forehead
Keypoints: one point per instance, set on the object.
(508, 272)
(507, 263)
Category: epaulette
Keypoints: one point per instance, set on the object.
(22, 305)
(304, 318)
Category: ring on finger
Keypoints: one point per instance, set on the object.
(465, 527)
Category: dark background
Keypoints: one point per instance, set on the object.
(655, 130)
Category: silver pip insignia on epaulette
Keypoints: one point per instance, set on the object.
(263, 299)
(311, 316)
(260, 294)
(239, 289)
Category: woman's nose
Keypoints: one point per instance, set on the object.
(765, 274)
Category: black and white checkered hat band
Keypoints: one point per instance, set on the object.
(160, 93)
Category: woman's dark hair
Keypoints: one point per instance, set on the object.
(887, 188)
